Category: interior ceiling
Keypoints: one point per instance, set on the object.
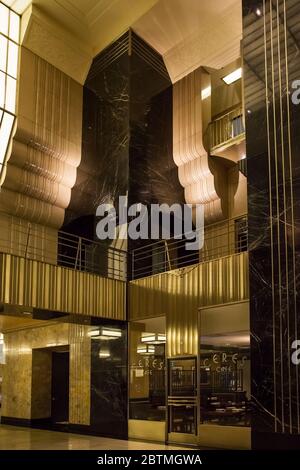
(188, 33)
(11, 323)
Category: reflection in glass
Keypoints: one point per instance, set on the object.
(225, 380)
(182, 395)
(147, 394)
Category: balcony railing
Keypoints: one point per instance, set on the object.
(220, 240)
(63, 249)
(226, 129)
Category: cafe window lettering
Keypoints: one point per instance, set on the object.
(147, 370)
(225, 383)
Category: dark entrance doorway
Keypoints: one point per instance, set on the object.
(60, 387)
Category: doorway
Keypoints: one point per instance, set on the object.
(182, 399)
(60, 387)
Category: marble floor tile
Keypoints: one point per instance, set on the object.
(15, 438)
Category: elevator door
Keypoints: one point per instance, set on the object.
(182, 395)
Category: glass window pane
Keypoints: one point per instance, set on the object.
(10, 98)
(5, 131)
(12, 65)
(3, 53)
(4, 11)
(2, 89)
(147, 393)
(14, 26)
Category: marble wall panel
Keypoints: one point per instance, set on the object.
(271, 64)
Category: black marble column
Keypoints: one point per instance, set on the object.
(271, 46)
(127, 146)
(103, 173)
(109, 383)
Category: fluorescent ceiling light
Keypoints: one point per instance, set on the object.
(205, 93)
(153, 338)
(105, 333)
(233, 76)
(146, 349)
(94, 333)
(104, 353)
(111, 332)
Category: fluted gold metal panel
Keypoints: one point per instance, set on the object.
(203, 181)
(40, 285)
(185, 290)
(46, 147)
(182, 333)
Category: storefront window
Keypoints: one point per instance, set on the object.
(147, 393)
(225, 379)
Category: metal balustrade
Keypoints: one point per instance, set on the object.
(225, 129)
(63, 249)
(220, 239)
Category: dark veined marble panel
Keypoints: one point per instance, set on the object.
(271, 65)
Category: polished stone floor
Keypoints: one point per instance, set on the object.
(17, 438)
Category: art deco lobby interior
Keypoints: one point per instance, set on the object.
(162, 102)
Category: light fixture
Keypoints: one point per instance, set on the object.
(105, 333)
(258, 12)
(243, 156)
(205, 93)
(146, 349)
(111, 332)
(1, 338)
(104, 353)
(233, 76)
(93, 333)
(153, 338)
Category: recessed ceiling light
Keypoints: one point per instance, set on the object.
(233, 76)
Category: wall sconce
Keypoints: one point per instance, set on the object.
(146, 350)
(105, 333)
(153, 338)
